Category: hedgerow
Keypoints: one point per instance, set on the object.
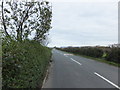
(89, 51)
(24, 63)
(111, 54)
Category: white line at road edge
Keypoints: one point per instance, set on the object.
(107, 80)
(76, 61)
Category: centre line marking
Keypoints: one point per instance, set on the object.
(76, 61)
(107, 80)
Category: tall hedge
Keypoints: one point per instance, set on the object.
(113, 55)
(24, 64)
(89, 51)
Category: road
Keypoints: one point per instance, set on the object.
(71, 71)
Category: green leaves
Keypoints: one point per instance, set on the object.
(25, 26)
(47, 2)
(6, 10)
(45, 22)
(24, 64)
(28, 16)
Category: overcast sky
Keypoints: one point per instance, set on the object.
(85, 23)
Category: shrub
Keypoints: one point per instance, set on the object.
(110, 54)
(113, 55)
(89, 51)
(24, 64)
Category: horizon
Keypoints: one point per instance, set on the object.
(84, 24)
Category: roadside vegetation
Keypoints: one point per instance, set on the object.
(25, 57)
(110, 55)
(24, 64)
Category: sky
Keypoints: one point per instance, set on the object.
(84, 23)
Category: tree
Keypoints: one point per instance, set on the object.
(22, 20)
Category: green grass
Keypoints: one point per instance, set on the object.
(101, 60)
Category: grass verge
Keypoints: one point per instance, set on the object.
(101, 60)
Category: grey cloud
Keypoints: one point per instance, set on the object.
(84, 24)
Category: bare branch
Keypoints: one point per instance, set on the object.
(3, 21)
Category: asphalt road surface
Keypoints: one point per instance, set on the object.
(71, 71)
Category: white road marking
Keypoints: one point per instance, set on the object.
(76, 61)
(68, 54)
(107, 80)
